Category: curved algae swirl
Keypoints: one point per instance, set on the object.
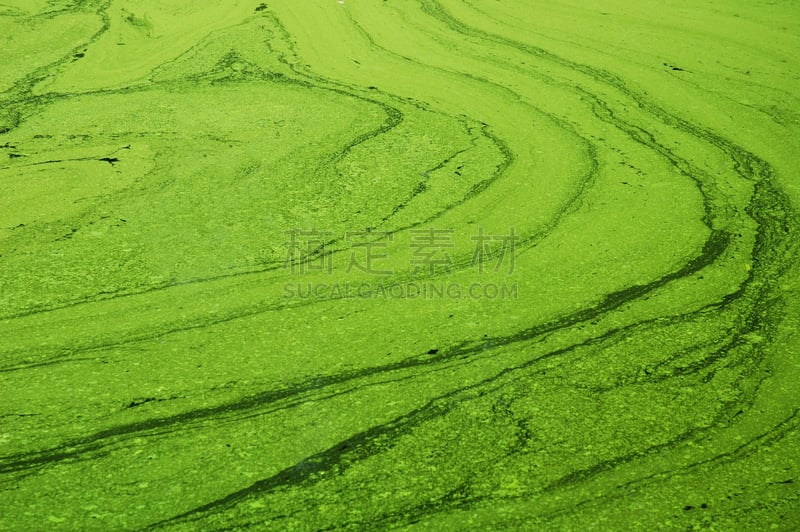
(168, 361)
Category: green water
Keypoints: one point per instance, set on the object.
(427, 264)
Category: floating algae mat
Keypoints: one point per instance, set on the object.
(426, 264)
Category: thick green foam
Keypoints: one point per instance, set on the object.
(163, 365)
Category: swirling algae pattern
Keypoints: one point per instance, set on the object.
(156, 373)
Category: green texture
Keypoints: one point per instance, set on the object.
(169, 360)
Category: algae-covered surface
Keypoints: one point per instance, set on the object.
(425, 264)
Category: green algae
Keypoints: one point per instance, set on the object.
(160, 370)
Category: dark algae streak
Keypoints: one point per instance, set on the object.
(413, 264)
